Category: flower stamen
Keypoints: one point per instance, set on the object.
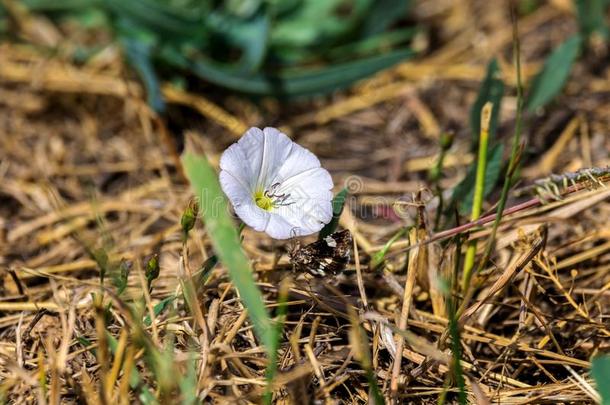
(268, 199)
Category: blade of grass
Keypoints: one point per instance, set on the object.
(225, 239)
(456, 350)
(436, 173)
(159, 307)
(338, 204)
(297, 83)
(379, 257)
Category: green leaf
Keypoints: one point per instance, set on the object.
(303, 82)
(338, 204)
(225, 239)
(250, 36)
(379, 257)
(372, 45)
(384, 13)
(600, 370)
(203, 273)
(157, 16)
(463, 194)
(139, 54)
(554, 74)
(157, 309)
(317, 24)
(64, 5)
(591, 17)
(491, 91)
(120, 276)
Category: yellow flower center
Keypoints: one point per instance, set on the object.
(263, 200)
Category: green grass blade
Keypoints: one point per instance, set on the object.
(290, 84)
(225, 239)
(379, 257)
(554, 74)
(282, 310)
(157, 309)
(159, 17)
(338, 204)
(456, 352)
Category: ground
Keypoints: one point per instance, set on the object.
(91, 178)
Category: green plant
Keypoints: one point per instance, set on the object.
(286, 48)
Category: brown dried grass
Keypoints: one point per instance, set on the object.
(85, 164)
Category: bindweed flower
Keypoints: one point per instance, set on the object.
(275, 185)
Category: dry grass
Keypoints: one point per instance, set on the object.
(85, 165)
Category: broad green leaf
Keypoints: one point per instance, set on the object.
(554, 74)
(338, 204)
(463, 194)
(600, 370)
(592, 17)
(225, 239)
(491, 91)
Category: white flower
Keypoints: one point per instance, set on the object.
(275, 185)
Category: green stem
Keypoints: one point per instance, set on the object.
(515, 154)
(282, 310)
(479, 189)
(457, 353)
(436, 173)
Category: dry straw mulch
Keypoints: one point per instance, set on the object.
(85, 165)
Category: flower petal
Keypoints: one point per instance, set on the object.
(235, 188)
(243, 202)
(242, 159)
(275, 148)
(254, 216)
(306, 215)
(298, 161)
(278, 227)
(313, 183)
